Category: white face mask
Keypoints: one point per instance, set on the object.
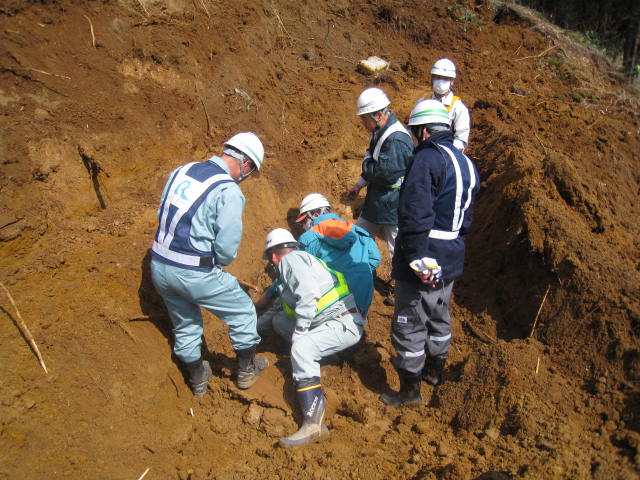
(441, 87)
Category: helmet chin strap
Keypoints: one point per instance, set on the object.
(242, 176)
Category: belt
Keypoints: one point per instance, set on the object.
(351, 310)
(206, 261)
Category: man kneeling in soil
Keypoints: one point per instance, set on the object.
(320, 319)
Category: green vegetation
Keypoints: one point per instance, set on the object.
(465, 17)
(610, 25)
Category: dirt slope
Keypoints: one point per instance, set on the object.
(99, 101)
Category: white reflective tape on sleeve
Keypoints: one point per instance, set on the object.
(443, 234)
(440, 339)
(411, 354)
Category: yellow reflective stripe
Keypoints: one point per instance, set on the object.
(308, 388)
(329, 298)
(288, 311)
(339, 291)
(453, 101)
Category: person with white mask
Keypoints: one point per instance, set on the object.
(443, 75)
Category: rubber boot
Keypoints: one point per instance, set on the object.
(432, 371)
(249, 367)
(312, 404)
(199, 374)
(409, 393)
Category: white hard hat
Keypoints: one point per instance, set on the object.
(311, 202)
(279, 237)
(429, 111)
(372, 100)
(445, 68)
(249, 144)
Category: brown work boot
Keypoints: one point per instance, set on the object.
(249, 367)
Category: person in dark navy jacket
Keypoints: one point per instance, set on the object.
(434, 217)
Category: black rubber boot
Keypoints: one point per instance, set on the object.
(409, 393)
(432, 371)
(313, 405)
(249, 367)
(199, 374)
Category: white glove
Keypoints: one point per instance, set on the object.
(427, 265)
(459, 144)
(298, 333)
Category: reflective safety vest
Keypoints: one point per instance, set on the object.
(453, 101)
(393, 128)
(187, 189)
(330, 297)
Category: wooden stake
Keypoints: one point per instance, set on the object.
(539, 310)
(144, 474)
(25, 330)
(93, 37)
(537, 365)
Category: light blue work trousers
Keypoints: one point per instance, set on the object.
(331, 336)
(184, 291)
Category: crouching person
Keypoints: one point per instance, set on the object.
(319, 318)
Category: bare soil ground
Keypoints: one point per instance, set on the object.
(99, 101)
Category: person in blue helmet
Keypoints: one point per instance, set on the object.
(199, 232)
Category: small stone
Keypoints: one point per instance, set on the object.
(492, 433)
(253, 414)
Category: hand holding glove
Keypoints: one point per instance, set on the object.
(427, 269)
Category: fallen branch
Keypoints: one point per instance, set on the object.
(93, 37)
(146, 12)
(535, 321)
(25, 330)
(206, 10)
(539, 55)
(207, 117)
(13, 69)
(543, 147)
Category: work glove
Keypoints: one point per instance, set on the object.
(298, 333)
(427, 265)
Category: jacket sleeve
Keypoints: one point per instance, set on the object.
(468, 214)
(392, 163)
(461, 123)
(229, 205)
(416, 215)
(373, 253)
(294, 273)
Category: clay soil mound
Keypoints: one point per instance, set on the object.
(99, 101)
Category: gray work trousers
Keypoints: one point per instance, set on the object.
(421, 324)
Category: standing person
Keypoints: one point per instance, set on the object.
(322, 320)
(436, 203)
(384, 165)
(200, 227)
(345, 247)
(443, 75)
